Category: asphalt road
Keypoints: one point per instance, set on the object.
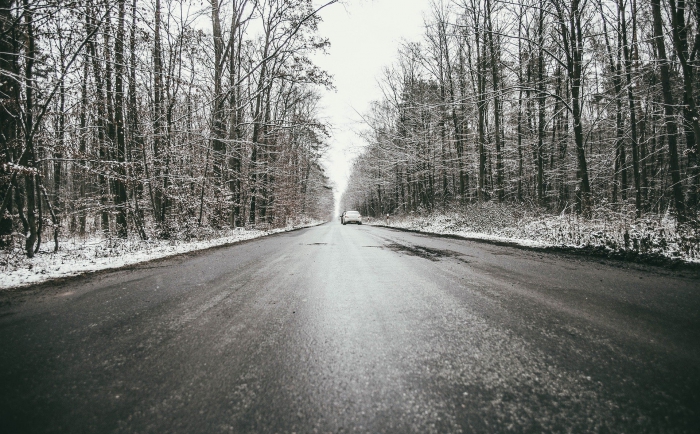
(355, 329)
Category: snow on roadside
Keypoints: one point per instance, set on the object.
(612, 234)
(77, 257)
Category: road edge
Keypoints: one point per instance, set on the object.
(93, 273)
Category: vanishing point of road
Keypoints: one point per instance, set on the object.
(355, 329)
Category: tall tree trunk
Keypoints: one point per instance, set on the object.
(572, 40)
(101, 121)
(58, 150)
(120, 199)
(679, 31)
(615, 68)
(497, 114)
(108, 149)
(218, 127)
(481, 107)
(159, 194)
(541, 101)
(28, 159)
(669, 118)
(81, 174)
(464, 125)
(235, 134)
(521, 84)
(9, 109)
(258, 121)
(135, 139)
(632, 107)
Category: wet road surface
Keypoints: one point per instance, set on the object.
(355, 329)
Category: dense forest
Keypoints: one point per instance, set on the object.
(580, 106)
(158, 118)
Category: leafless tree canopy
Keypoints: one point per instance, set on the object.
(578, 104)
(159, 118)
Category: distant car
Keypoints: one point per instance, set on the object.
(352, 217)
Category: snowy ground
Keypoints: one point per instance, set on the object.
(617, 234)
(80, 256)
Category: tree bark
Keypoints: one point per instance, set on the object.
(541, 100)
(120, 199)
(632, 108)
(572, 40)
(497, 114)
(679, 32)
(669, 118)
(28, 160)
(159, 195)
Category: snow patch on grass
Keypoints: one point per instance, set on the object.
(79, 256)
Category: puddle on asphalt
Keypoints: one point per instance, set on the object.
(426, 252)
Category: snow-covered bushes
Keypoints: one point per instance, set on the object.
(614, 232)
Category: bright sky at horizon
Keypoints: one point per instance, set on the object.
(365, 36)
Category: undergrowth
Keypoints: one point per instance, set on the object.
(606, 229)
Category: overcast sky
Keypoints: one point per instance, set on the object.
(365, 36)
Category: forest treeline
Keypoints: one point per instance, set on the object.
(158, 117)
(578, 105)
